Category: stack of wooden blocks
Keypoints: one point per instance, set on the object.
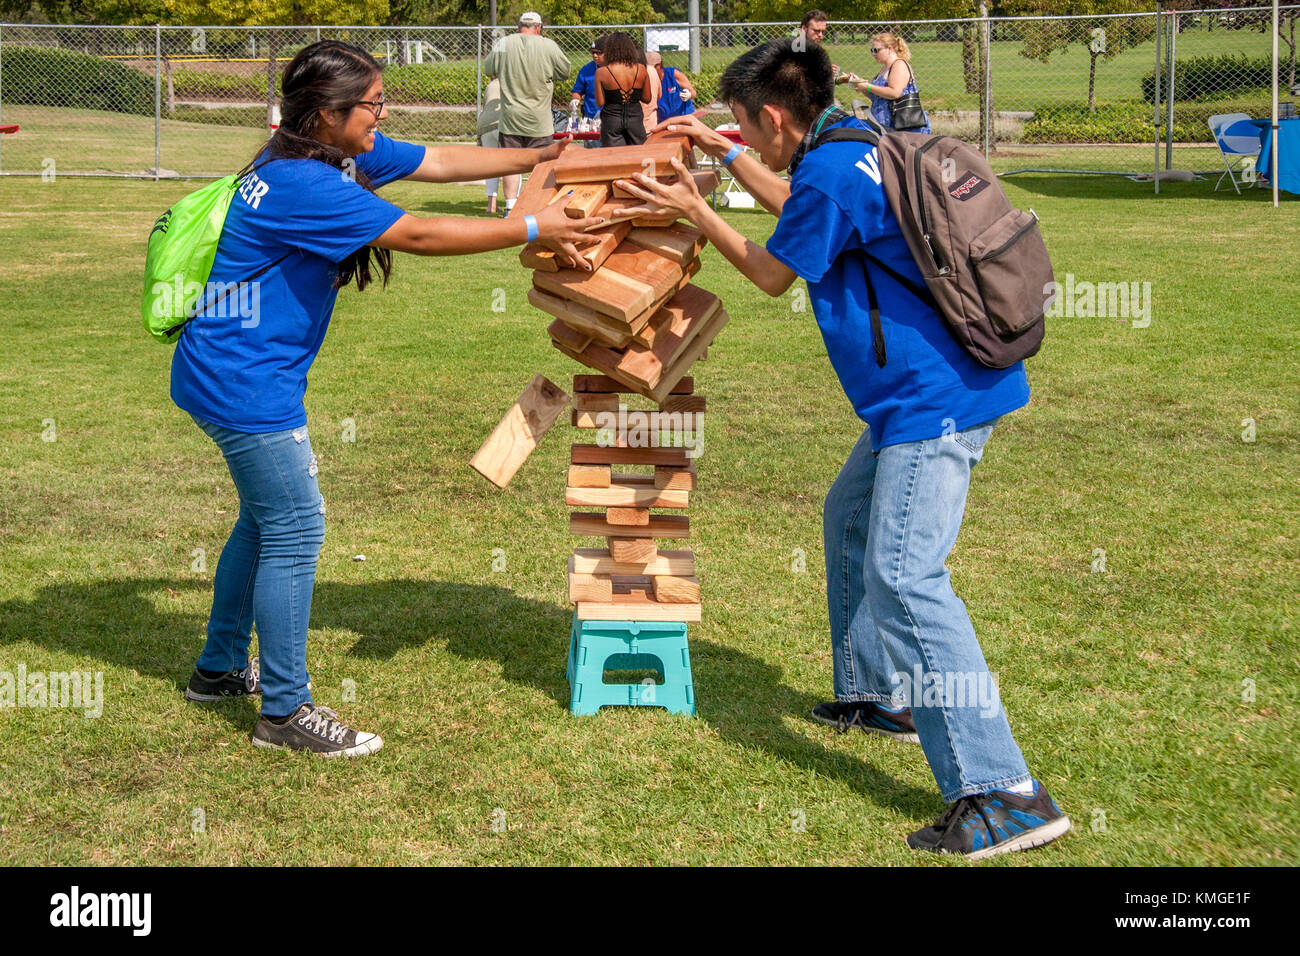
(637, 321)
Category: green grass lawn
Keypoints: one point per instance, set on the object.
(1157, 698)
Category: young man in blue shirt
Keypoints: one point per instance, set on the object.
(584, 87)
(907, 663)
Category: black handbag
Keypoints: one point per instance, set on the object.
(905, 112)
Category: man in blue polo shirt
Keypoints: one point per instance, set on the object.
(907, 663)
(584, 87)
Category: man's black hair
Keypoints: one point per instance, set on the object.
(812, 15)
(777, 74)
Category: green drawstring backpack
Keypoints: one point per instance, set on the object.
(182, 245)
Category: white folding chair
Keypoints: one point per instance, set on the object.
(1238, 142)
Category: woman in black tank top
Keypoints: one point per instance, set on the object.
(622, 85)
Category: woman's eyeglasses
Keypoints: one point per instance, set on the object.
(376, 106)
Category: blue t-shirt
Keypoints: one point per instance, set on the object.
(928, 386)
(242, 361)
(670, 97)
(586, 85)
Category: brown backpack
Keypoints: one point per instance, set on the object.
(986, 269)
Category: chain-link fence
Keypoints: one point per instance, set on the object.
(1067, 93)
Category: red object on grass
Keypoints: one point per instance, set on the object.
(9, 129)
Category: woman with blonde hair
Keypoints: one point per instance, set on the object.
(892, 86)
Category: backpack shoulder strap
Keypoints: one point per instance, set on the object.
(847, 134)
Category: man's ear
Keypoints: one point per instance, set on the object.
(775, 118)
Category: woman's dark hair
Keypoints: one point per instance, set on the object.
(328, 75)
(778, 74)
(621, 48)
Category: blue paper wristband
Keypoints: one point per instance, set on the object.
(736, 150)
(531, 223)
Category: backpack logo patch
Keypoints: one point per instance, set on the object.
(968, 185)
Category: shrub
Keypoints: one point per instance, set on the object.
(1199, 77)
(47, 76)
(1129, 122)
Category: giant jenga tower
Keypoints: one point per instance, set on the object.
(637, 321)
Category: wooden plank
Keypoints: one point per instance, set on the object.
(571, 338)
(538, 190)
(660, 526)
(679, 242)
(676, 479)
(622, 210)
(589, 587)
(596, 402)
(600, 328)
(706, 180)
(589, 476)
(632, 608)
(628, 517)
(618, 192)
(611, 292)
(683, 403)
(587, 198)
(691, 311)
(518, 433)
(631, 550)
(597, 455)
(617, 162)
(603, 383)
(660, 273)
(671, 589)
(637, 420)
(693, 352)
(660, 321)
(536, 256)
(622, 494)
(600, 561)
(688, 146)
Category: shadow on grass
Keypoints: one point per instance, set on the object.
(126, 623)
(465, 208)
(1068, 186)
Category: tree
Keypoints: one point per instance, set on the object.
(1103, 36)
(595, 12)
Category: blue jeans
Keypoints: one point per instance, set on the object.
(900, 636)
(268, 566)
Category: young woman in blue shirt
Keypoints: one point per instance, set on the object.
(304, 223)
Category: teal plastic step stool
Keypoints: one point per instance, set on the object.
(595, 645)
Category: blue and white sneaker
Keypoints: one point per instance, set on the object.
(986, 824)
(869, 717)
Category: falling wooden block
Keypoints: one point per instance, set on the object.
(630, 517)
(603, 383)
(659, 526)
(679, 242)
(632, 550)
(626, 491)
(518, 433)
(669, 589)
(617, 162)
(538, 190)
(600, 561)
(599, 455)
(587, 198)
(675, 479)
(589, 476)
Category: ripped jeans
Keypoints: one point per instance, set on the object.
(268, 566)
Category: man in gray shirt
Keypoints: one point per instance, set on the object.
(528, 65)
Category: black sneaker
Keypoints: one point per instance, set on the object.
(867, 716)
(233, 684)
(987, 824)
(317, 729)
